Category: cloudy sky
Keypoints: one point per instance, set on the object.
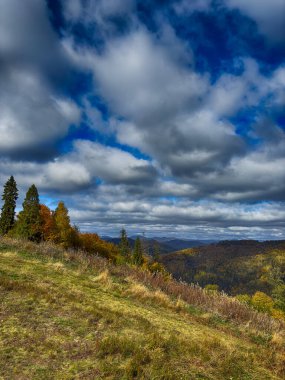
(166, 117)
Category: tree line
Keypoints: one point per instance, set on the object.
(37, 222)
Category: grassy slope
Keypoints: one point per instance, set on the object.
(61, 321)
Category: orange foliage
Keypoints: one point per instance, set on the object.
(92, 243)
(47, 223)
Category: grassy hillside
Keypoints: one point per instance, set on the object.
(65, 315)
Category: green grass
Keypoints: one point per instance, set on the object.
(60, 320)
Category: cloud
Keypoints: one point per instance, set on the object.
(169, 147)
(99, 19)
(28, 40)
(34, 70)
(162, 102)
(269, 16)
(183, 121)
(113, 165)
(187, 218)
(153, 86)
(185, 6)
(81, 168)
(91, 11)
(32, 119)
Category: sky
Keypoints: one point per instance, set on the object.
(163, 117)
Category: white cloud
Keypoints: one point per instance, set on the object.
(112, 164)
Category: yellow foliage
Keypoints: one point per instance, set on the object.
(262, 301)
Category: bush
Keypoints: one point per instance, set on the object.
(262, 301)
(211, 288)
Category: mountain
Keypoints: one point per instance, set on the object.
(166, 245)
(244, 266)
(67, 315)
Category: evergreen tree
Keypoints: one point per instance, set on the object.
(10, 196)
(156, 251)
(138, 253)
(124, 245)
(29, 225)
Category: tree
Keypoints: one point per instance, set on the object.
(124, 245)
(47, 223)
(64, 233)
(29, 223)
(156, 251)
(10, 196)
(92, 244)
(138, 253)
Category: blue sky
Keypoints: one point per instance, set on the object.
(166, 117)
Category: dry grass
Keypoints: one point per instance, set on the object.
(143, 293)
(65, 315)
(218, 303)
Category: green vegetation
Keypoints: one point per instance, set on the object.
(29, 221)
(36, 222)
(76, 307)
(252, 271)
(138, 253)
(71, 315)
(9, 197)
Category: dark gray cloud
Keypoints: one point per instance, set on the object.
(35, 114)
(269, 16)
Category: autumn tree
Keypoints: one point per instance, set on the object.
(65, 234)
(92, 244)
(29, 221)
(138, 252)
(9, 197)
(47, 223)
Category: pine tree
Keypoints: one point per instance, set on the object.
(29, 222)
(138, 253)
(124, 245)
(156, 251)
(10, 196)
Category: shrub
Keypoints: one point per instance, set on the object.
(262, 301)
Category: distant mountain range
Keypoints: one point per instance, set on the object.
(166, 245)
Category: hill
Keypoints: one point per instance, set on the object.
(165, 245)
(244, 266)
(67, 315)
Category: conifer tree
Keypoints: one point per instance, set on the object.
(9, 197)
(29, 222)
(156, 251)
(124, 245)
(138, 253)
